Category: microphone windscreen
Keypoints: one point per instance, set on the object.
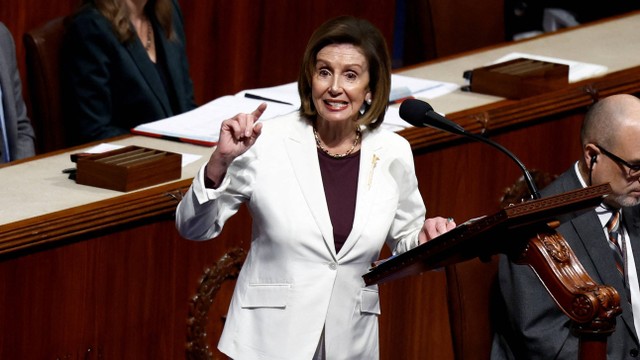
(414, 111)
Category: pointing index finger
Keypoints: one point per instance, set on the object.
(259, 110)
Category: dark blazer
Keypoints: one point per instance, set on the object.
(111, 87)
(535, 328)
(20, 135)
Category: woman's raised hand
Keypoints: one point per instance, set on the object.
(237, 135)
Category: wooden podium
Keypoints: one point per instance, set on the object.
(525, 232)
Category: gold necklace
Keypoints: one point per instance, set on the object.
(337, 156)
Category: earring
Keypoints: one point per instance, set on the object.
(363, 108)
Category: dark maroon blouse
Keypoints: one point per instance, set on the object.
(340, 180)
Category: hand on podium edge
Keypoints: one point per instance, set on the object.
(434, 227)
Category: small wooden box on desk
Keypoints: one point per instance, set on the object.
(519, 78)
(129, 168)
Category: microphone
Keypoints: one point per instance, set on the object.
(420, 114)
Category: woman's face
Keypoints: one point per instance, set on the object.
(340, 82)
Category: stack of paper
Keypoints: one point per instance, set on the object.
(405, 86)
(202, 125)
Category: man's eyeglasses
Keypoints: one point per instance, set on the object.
(634, 169)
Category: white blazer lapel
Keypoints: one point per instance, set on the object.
(303, 155)
(369, 158)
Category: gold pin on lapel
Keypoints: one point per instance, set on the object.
(374, 161)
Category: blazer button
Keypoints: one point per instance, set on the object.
(633, 352)
(333, 266)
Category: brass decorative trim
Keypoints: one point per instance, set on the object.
(227, 268)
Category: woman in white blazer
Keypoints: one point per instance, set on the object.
(326, 188)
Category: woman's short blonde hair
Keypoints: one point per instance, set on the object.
(362, 34)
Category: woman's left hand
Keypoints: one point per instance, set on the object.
(434, 227)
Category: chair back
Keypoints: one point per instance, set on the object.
(43, 53)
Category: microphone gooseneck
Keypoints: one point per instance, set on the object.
(420, 114)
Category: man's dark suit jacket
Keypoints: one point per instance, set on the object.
(111, 87)
(20, 135)
(534, 327)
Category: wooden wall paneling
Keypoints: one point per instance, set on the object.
(467, 179)
(21, 16)
(414, 323)
(437, 28)
(462, 25)
(122, 294)
(419, 33)
(247, 44)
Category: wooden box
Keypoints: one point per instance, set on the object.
(129, 168)
(519, 78)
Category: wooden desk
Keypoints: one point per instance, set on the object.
(93, 273)
(41, 186)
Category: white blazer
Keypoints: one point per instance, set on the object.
(293, 284)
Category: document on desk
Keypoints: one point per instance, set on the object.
(393, 121)
(577, 70)
(405, 86)
(201, 126)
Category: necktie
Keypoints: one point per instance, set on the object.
(613, 227)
